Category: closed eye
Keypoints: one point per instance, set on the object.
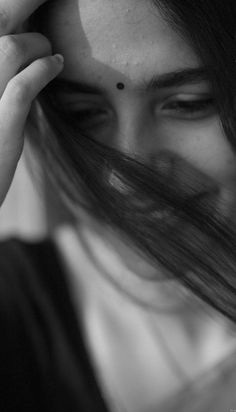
(190, 109)
(88, 119)
(90, 114)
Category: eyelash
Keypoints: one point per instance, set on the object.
(191, 107)
(86, 113)
(88, 119)
(185, 109)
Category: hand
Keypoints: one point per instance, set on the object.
(26, 67)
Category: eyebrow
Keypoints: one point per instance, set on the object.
(177, 78)
(167, 80)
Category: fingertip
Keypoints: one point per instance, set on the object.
(59, 58)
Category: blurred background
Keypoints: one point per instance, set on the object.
(23, 212)
(32, 208)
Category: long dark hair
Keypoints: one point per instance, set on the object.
(156, 209)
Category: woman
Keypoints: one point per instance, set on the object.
(130, 306)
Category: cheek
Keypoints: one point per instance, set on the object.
(203, 144)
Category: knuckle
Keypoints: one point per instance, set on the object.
(10, 47)
(45, 41)
(4, 21)
(20, 90)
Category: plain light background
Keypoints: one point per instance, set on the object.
(23, 212)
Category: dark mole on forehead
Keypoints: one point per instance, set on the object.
(120, 86)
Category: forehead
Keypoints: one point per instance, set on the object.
(130, 38)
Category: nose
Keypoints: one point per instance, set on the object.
(133, 134)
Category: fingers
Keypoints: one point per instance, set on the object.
(17, 99)
(17, 51)
(15, 12)
(26, 67)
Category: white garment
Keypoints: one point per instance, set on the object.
(142, 359)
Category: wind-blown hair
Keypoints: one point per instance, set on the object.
(155, 208)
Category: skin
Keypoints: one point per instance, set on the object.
(27, 66)
(105, 43)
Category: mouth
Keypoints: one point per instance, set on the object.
(205, 198)
(202, 201)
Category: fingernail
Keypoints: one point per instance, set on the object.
(59, 58)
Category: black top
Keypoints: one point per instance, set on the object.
(44, 365)
(43, 361)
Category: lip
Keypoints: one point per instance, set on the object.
(202, 200)
(205, 198)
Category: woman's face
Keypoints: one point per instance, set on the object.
(136, 85)
(166, 102)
